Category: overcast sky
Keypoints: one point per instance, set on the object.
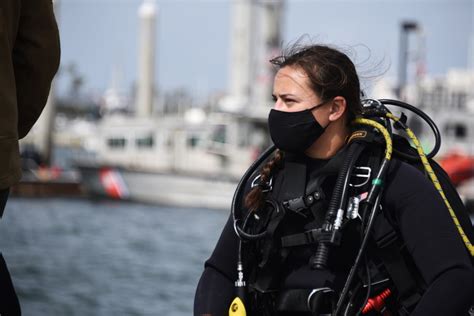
(193, 37)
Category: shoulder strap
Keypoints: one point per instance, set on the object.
(291, 181)
(389, 250)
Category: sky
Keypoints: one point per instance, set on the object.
(193, 38)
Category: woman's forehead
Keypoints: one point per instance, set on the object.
(293, 78)
(294, 72)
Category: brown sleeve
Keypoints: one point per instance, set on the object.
(36, 56)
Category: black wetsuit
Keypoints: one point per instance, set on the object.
(425, 226)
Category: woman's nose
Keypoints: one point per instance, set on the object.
(279, 105)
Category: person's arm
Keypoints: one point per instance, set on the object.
(36, 55)
(215, 290)
(433, 241)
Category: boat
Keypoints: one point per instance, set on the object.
(191, 160)
(177, 153)
(42, 181)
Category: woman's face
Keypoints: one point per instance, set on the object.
(292, 92)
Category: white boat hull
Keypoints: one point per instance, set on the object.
(179, 190)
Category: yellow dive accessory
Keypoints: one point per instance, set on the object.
(237, 308)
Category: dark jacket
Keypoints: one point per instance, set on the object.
(29, 58)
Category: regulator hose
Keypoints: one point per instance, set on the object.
(319, 259)
(373, 200)
(237, 307)
(360, 254)
(238, 195)
(425, 118)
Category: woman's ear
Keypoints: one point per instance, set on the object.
(337, 109)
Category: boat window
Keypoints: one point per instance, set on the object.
(457, 130)
(459, 100)
(219, 134)
(116, 142)
(193, 141)
(144, 142)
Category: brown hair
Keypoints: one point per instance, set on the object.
(254, 199)
(331, 73)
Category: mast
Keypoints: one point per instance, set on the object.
(241, 53)
(255, 39)
(146, 59)
(268, 47)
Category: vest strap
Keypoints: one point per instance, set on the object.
(389, 251)
(303, 202)
(308, 237)
(268, 246)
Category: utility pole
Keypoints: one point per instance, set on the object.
(268, 47)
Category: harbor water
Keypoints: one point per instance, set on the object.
(82, 257)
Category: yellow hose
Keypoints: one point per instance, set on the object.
(434, 179)
(383, 130)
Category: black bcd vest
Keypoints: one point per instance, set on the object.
(303, 201)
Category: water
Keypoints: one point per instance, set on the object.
(79, 257)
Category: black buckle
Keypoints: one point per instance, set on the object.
(296, 205)
(300, 203)
(312, 235)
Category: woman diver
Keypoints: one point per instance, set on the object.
(312, 235)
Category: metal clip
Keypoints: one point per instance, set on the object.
(353, 205)
(365, 173)
(265, 187)
(353, 208)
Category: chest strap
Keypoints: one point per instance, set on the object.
(303, 202)
(311, 236)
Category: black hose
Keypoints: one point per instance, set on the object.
(241, 231)
(247, 236)
(369, 286)
(239, 253)
(319, 259)
(351, 299)
(426, 118)
(373, 199)
(240, 188)
(354, 268)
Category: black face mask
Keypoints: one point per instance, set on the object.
(294, 131)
